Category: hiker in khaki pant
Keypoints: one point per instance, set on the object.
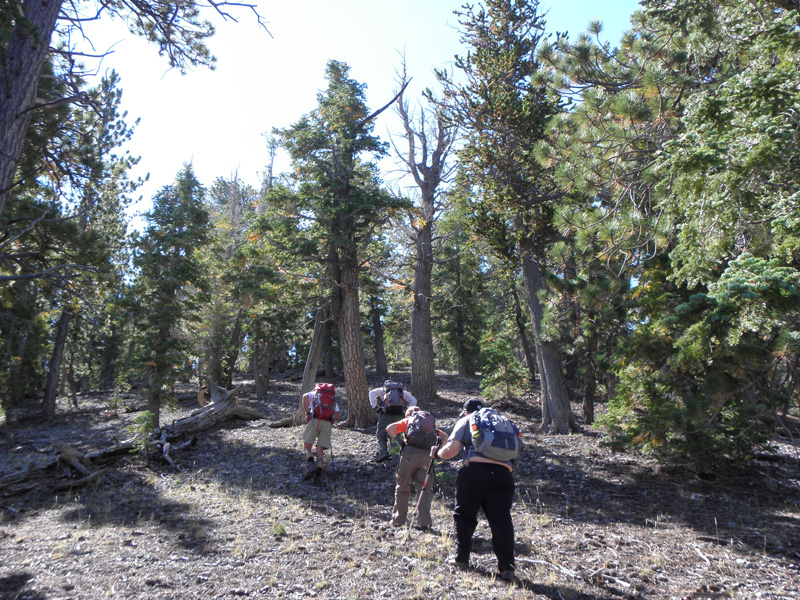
(413, 465)
(316, 430)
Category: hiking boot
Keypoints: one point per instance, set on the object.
(382, 458)
(311, 470)
(454, 563)
(507, 575)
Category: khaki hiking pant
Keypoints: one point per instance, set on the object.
(411, 469)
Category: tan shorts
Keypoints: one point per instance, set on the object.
(319, 431)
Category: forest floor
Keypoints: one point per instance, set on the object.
(235, 519)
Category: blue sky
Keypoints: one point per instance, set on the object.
(217, 119)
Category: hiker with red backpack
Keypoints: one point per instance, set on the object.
(390, 402)
(322, 411)
(492, 445)
(419, 432)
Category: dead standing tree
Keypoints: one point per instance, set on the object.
(310, 370)
(429, 143)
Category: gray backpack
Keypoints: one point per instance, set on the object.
(394, 402)
(421, 431)
(494, 435)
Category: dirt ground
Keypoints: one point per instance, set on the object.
(235, 519)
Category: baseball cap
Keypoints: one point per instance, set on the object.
(470, 406)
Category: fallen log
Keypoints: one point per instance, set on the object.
(97, 456)
(46, 475)
(292, 421)
(42, 476)
(224, 406)
(74, 459)
(73, 483)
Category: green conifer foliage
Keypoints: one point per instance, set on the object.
(339, 190)
(502, 103)
(685, 143)
(170, 281)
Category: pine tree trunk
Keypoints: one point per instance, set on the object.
(234, 346)
(530, 355)
(126, 363)
(423, 371)
(556, 396)
(359, 413)
(25, 53)
(328, 351)
(18, 390)
(260, 362)
(314, 353)
(158, 380)
(591, 375)
(51, 386)
(546, 421)
(465, 363)
(381, 367)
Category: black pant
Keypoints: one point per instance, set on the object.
(490, 487)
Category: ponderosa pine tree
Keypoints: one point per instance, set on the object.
(170, 280)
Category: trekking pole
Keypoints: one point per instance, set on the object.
(333, 465)
(430, 476)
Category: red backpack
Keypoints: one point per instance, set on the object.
(323, 404)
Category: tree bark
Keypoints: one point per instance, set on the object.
(530, 354)
(423, 366)
(466, 366)
(381, 367)
(24, 56)
(155, 392)
(328, 351)
(18, 390)
(310, 370)
(51, 387)
(543, 393)
(554, 387)
(359, 413)
(430, 141)
(591, 375)
(314, 354)
(256, 360)
(232, 354)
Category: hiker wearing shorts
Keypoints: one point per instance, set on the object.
(482, 483)
(319, 431)
(413, 466)
(386, 416)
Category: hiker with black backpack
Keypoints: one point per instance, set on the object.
(492, 445)
(419, 433)
(390, 402)
(322, 411)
